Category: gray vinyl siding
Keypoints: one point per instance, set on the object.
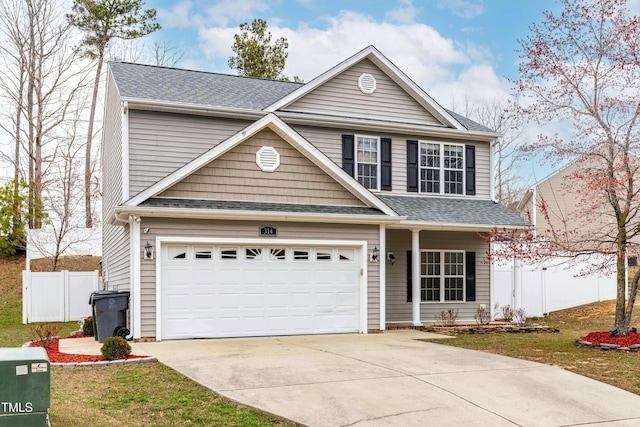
(160, 143)
(236, 176)
(399, 242)
(329, 141)
(249, 229)
(341, 96)
(115, 239)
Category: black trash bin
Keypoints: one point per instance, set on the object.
(109, 314)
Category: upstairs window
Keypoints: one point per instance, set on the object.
(441, 168)
(367, 161)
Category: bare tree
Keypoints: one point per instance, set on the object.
(497, 115)
(161, 53)
(103, 21)
(41, 80)
(583, 66)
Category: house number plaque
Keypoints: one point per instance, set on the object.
(268, 231)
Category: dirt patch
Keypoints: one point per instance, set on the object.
(70, 263)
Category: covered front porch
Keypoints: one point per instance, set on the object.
(434, 259)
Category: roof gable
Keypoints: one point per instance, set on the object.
(236, 176)
(342, 96)
(277, 126)
(387, 67)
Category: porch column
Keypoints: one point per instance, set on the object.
(415, 276)
(383, 276)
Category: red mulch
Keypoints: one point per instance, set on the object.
(56, 357)
(605, 338)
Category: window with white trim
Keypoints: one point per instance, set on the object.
(441, 276)
(368, 161)
(441, 168)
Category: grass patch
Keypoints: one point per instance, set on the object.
(618, 369)
(147, 394)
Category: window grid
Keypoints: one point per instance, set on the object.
(441, 168)
(441, 276)
(367, 160)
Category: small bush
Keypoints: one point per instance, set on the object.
(115, 348)
(482, 316)
(87, 327)
(505, 313)
(44, 333)
(520, 318)
(446, 318)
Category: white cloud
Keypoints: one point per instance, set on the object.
(226, 11)
(445, 69)
(180, 16)
(463, 8)
(405, 13)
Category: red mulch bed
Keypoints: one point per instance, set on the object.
(605, 338)
(53, 351)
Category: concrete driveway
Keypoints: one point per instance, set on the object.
(392, 380)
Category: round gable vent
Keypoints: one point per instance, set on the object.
(268, 159)
(367, 83)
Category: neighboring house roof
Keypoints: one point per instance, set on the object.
(453, 211)
(147, 82)
(259, 206)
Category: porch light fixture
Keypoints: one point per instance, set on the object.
(148, 251)
(375, 253)
(391, 258)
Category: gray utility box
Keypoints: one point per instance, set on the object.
(109, 314)
(25, 387)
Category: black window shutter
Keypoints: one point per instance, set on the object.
(412, 166)
(347, 154)
(385, 167)
(409, 278)
(470, 165)
(471, 275)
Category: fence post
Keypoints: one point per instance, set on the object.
(26, 300)
(65, 287)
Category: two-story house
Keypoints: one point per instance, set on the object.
(238, 206)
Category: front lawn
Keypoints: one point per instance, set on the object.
(619, 369)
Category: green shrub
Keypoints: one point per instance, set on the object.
(87, 327)
(115, 348)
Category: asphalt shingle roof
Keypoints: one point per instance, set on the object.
(453, 211)
(201, 88)
(258, 206)
(196, 87)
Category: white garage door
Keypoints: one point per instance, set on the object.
(240, 291)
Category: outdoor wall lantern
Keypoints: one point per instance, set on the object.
(391, 258)
(375, 253)
(148, 251)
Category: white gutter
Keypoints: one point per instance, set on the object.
(384, 126)
(446, 226)
(122, 212)
(205, 110)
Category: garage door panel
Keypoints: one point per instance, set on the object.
(263, 291)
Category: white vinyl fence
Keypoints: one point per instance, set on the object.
(57, 296)
(541, 289)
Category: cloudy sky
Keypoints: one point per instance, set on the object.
(452, 48)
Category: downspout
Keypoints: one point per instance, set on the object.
(492, 172)
(383, 276)
(134, 280)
